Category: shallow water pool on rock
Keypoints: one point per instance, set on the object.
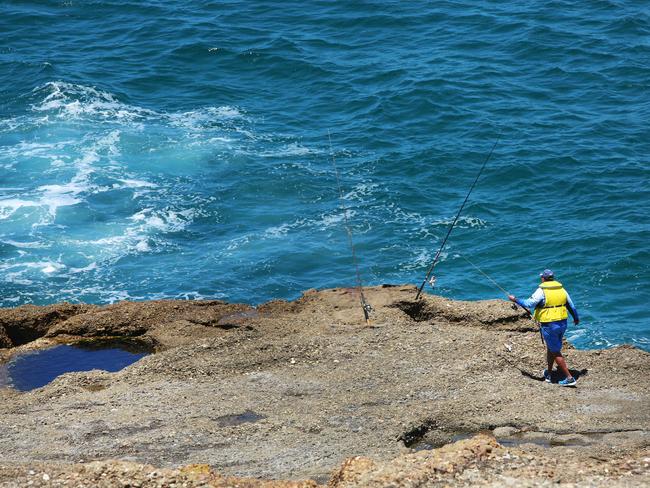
(34, 369)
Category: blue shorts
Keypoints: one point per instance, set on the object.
(553, 333)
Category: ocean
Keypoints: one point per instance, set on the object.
(168, 149)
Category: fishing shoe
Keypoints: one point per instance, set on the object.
(546, 375)
(567, 382)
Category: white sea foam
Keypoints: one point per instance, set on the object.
(111, 243)
(9, 206)
(164, 220)
(421, 260)
(55, 196)
(204, 118)
(69, 101)
(106, 294)
(10, 124)
(72, 101)
(33, 149)
(361, 190)
(277, 231)
(218, 140)
(141, 215)
(293, 149)
(463, 222)
(91, 267)
(643, 341)
(70, 193)
(16, 278)
(47, 267)
(26, 245)
(12, 272)
(228, 112)
(401, 216)
(127, 183)
(156, 222)
(142, 246)
(329, 220)
(323, 222)
(144, 234)
(98, 161)
(52, 267)
(179, 220)
(238, 242)
(52, 197)
(282, 229)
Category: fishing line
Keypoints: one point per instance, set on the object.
(364, 305)
(514, 305)
(451, 227)
(484, 274)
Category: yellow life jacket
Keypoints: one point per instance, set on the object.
(555, 306)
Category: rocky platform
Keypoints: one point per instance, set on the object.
(305, 391)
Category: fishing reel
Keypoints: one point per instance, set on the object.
(432, 281)
(367, 309)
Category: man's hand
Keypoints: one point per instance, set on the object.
(512, 298)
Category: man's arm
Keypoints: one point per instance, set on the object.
(572, 309)
(535, 299)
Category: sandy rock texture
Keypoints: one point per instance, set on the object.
(305, 390)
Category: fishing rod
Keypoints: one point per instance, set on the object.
(451, 227)
(514, 305)
(505, 292)
(367, 308)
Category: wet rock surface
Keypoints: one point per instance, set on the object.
(299, 390)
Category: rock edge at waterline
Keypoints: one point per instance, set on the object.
(290, 390)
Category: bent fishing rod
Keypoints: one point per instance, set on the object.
(506, 293)
(451, 227)
(367, 308)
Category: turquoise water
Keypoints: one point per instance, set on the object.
(180, 150)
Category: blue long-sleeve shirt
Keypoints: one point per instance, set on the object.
(538, 299)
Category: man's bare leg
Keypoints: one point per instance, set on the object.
(550, 358)
(561, 364)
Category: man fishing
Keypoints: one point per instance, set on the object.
(552, 306)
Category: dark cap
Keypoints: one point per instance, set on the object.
(547, 273)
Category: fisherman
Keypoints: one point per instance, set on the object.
(552, 306)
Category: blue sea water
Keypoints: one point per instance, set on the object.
(168, 149)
